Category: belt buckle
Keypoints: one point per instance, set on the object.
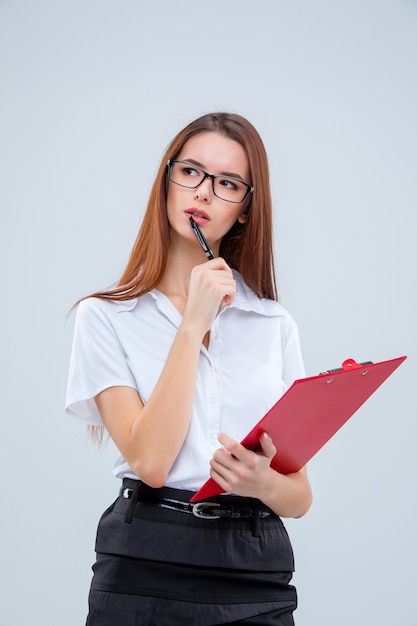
(198, 510)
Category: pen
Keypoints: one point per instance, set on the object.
(201, 239)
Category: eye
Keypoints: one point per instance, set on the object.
(229, 183)
(190, 171)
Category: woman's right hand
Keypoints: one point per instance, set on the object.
(211, 285)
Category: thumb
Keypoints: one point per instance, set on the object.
(268, 448)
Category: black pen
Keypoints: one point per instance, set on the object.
(201, 239)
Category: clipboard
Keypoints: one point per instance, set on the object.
(310, 412)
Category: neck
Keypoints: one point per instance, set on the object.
(181, 260)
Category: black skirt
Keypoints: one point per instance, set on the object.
(158, 567)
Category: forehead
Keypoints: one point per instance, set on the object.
(216, 153)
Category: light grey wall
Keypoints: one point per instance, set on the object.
(91, 93)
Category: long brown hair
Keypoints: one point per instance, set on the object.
(246, 247)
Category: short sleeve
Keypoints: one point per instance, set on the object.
(292, 358)
(98, 360)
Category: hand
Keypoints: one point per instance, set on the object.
(211, 285)
(242, 471)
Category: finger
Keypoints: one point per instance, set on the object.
(228, 477)
(220, 479)
(218, 282)
(234, 447)
(267, 445)
(218, 262)
(221, 468)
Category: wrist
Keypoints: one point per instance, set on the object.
(191, 330)
(270, 488)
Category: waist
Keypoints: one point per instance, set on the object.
(222, 506)
(136, 527)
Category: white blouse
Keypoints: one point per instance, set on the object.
(253, 357)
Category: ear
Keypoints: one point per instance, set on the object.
(243, 217)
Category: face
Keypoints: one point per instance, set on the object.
(218, 155)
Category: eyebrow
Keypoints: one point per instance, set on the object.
(231, 174)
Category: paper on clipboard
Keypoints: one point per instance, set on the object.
(310, 412)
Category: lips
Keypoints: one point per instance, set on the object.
(200, 216)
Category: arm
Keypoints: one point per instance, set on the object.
(150, 436)
(249, 473)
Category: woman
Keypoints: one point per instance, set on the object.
(178, 363)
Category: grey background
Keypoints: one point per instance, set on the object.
(91, 93)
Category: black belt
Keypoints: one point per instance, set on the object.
(204, 510)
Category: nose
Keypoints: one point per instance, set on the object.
(204, 191)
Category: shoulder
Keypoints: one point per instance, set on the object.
(101, 307)
(246, 299)
(100, 315)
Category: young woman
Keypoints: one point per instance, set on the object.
(178, 363)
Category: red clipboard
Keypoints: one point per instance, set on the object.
(310, 412)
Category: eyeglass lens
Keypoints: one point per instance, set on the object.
(225, 188)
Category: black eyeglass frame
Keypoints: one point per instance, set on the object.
(249, 188)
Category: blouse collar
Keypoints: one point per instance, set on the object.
(245, 300)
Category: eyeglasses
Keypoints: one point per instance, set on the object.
(226, 188)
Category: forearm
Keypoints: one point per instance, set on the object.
(287, 495)
(150, 436)
(159, 430)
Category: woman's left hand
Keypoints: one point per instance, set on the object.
(242, 471)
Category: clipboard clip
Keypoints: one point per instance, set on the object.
(349, 364)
